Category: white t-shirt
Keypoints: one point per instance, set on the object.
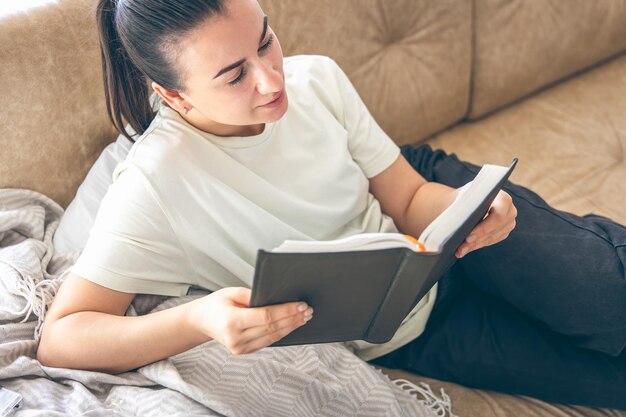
(188, 208)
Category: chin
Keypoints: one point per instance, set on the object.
(279, 112)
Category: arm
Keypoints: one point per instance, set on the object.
(86, 327)
(90, 331)
(412, 202)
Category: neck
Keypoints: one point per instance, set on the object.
(219, 129)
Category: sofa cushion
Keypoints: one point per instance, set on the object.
(520, 46)
(409, 60)
(570, 140)
(80, 214)
(469, 402)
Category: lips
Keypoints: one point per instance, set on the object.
(275, 98)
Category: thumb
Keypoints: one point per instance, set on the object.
(240, 295)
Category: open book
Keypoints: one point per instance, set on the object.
(362, 286)
(361, 241)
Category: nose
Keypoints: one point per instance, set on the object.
(269, 79)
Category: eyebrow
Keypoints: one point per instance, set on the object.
(241, 61)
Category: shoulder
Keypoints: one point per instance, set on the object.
(311, 68)
(130, 192)
(161, 149)
(315, 78)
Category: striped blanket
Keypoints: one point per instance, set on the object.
(308, 380)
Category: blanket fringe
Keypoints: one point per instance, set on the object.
(38, 298)
(37, 284)
(440, 406)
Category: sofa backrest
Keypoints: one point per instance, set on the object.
(419, 65)
(522, 46)
(410, 60)
(53, 121)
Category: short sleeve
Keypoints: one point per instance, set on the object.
(132, 246)
(371, 148)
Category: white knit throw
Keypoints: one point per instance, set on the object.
(321, 379)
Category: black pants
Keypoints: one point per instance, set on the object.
(542, 313)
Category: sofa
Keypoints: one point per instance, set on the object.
(542, 80)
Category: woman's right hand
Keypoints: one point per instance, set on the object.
(224, 315)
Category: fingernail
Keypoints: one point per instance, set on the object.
(302, 307)
(308, 312)
(471, 238)
(463, 252)
(307, 318)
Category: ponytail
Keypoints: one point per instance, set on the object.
(125, 88)
(138, 41)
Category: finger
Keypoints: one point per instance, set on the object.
(486, 240)
(493, 238)
(486, 227)
(267, 339)
(512, 215)
(512, 211)
(293, 321)
(261, 316)
(501, 211)
(505, 227)
(496, 238)
(502, 204)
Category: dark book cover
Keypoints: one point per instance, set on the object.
(361, 294)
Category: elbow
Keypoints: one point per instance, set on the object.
(403, 218)
(43, 355)
(45, 352)
(49, 350)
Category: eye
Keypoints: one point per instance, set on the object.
(239, 77)
(243, 69)
(267, 44)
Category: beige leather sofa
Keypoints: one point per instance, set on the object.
(543, 80)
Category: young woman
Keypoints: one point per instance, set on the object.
(246, 149)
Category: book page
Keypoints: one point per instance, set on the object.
(451, 219)
(361, 241)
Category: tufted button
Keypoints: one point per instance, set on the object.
(395, 36)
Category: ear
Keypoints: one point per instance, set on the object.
(172, 98)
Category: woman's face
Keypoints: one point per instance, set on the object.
(233, 67)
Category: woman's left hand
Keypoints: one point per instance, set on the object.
(494, 228)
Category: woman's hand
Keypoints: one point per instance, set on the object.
(494, 228)
(224, 315)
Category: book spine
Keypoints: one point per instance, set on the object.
(412, 280)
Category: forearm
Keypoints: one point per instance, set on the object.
(110, 343)
(430, 200)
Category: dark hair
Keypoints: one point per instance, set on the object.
(139, 43)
